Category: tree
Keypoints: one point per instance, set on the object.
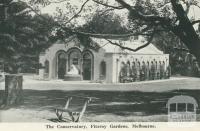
(181, 26)
(150, 17)
(22, 35)
(170, 44)
(104, 22)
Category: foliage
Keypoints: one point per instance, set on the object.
(151, 18)
(104, 23)
(22, 36)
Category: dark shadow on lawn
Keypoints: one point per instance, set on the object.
(56, 120)
(122, 103)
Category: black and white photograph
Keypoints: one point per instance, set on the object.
(95, 61)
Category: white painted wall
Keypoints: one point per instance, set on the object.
(113, 60)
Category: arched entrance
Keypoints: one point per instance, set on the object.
(87, 67)
(74, 58)
(61, 65)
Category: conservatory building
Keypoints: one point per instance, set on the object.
(70, 60)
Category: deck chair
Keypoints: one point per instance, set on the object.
(74, 115)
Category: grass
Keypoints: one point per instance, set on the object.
(110, 103)
(114, 102)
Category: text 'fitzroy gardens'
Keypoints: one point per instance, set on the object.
(98, 126)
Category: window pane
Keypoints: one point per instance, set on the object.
(190, 107)
(173, 107)
(181, 107)
(103, 68)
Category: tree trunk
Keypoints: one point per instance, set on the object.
(185, 30)
(194, 47)
(13, 90)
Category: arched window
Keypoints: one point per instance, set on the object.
(87, 67)
(123, 71)
(102, 70)
(61, 66)
(128, 68)
(46, 65)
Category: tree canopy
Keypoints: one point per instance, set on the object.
(22, 35)
(145, 17)
(148, 18)
(104, 23)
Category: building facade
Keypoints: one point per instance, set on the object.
(70, 60)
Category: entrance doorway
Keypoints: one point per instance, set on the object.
(74, 58)
(61, 65)
(87, 66)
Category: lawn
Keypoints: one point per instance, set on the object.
(111, 105)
